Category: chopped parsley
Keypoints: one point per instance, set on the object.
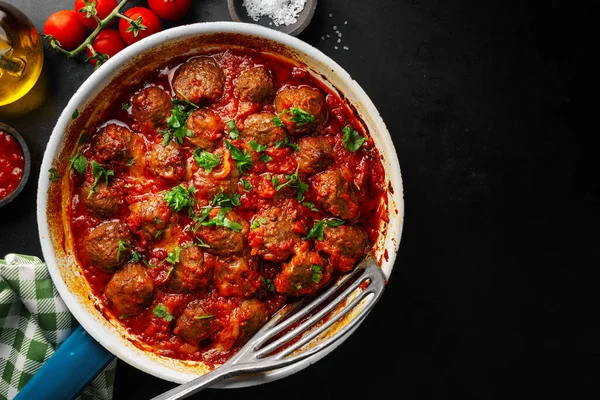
(176, 123)
(179, 197)
(79, 162)
(257, 222)
(122, 247)
(83, 138)
(131, 161)
(168, 274)
(200, 243)
(234, 133)
(125, 106)
(268, 283)
(247, 186)
(317, 230)
(299, 117)
(226, 200)
(294, 181)
(136, 256)
(161, 312)
(98, 171)
(286, 142)
(311, 206)
(352, 140)
(206, 160)
(220, 220)
(158, 233)
(241, 158)
(316, 273)
(173, 258)
(54, 176)
(158, 220)
(257, 146)
(265, 158)
(75, 114)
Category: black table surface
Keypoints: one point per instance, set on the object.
(494, 291)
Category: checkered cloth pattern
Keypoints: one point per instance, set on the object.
(34, 321)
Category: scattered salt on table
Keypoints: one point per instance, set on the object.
(282, 12)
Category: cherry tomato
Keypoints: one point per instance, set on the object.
(65, 27)
(149, 20)
(170, 10)
(103, 8)
(107, 42)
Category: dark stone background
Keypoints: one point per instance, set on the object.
(494, 293)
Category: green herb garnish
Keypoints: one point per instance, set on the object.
(286, 142)
(136, 256)
(220, 220)
(247, 186)
(176, 124)
(257, 146)
(241, 158)
(75, 114)
(317, 230)
(234, 133)
(168, 274)
(98, 171)
(125, 106)
(179, 197)
(206, 160)
(79, 162)
(54, 176)
(173, 257)
(122, 247)
(268, 283)
(161, 312)
(294, 181)
(265, 158)
(226, 200)
(352, 139)
(311, 206)
(316, 273)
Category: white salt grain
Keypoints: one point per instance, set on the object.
(346, 48)
(339, 40)
(335, 27)
(330, 15)
(345, 22)
(335, 47)
(282, 12)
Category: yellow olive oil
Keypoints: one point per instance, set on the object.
(21, 54)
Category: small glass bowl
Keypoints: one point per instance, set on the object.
(26, 168)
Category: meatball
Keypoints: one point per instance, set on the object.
(306, 99)
(196, 323)
(103, 242)
(191, 272)
(315, 155)
(236, 277)
(151, 107)
(113, 143)
(277, 232)
(224, 240)
(255, 85)
(345, 245)
(130, 290)
(261, 128)
(245, 321)
(335, 194)
(199, 80)
(149, 217)
(167, 161)
(306, 273)
(207, 127)
(104, 201)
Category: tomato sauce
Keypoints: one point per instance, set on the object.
(12, 164)
(136, 181)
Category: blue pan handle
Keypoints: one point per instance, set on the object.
(69, 370)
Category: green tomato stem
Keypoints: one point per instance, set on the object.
(87, 43)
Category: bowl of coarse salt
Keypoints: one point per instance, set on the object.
(287, 16)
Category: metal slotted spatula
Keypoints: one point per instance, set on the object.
(275, 345)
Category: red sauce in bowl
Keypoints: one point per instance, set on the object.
(12, 164)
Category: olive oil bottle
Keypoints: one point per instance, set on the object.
(21, 54)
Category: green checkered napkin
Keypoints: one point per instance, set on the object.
(34, 321)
